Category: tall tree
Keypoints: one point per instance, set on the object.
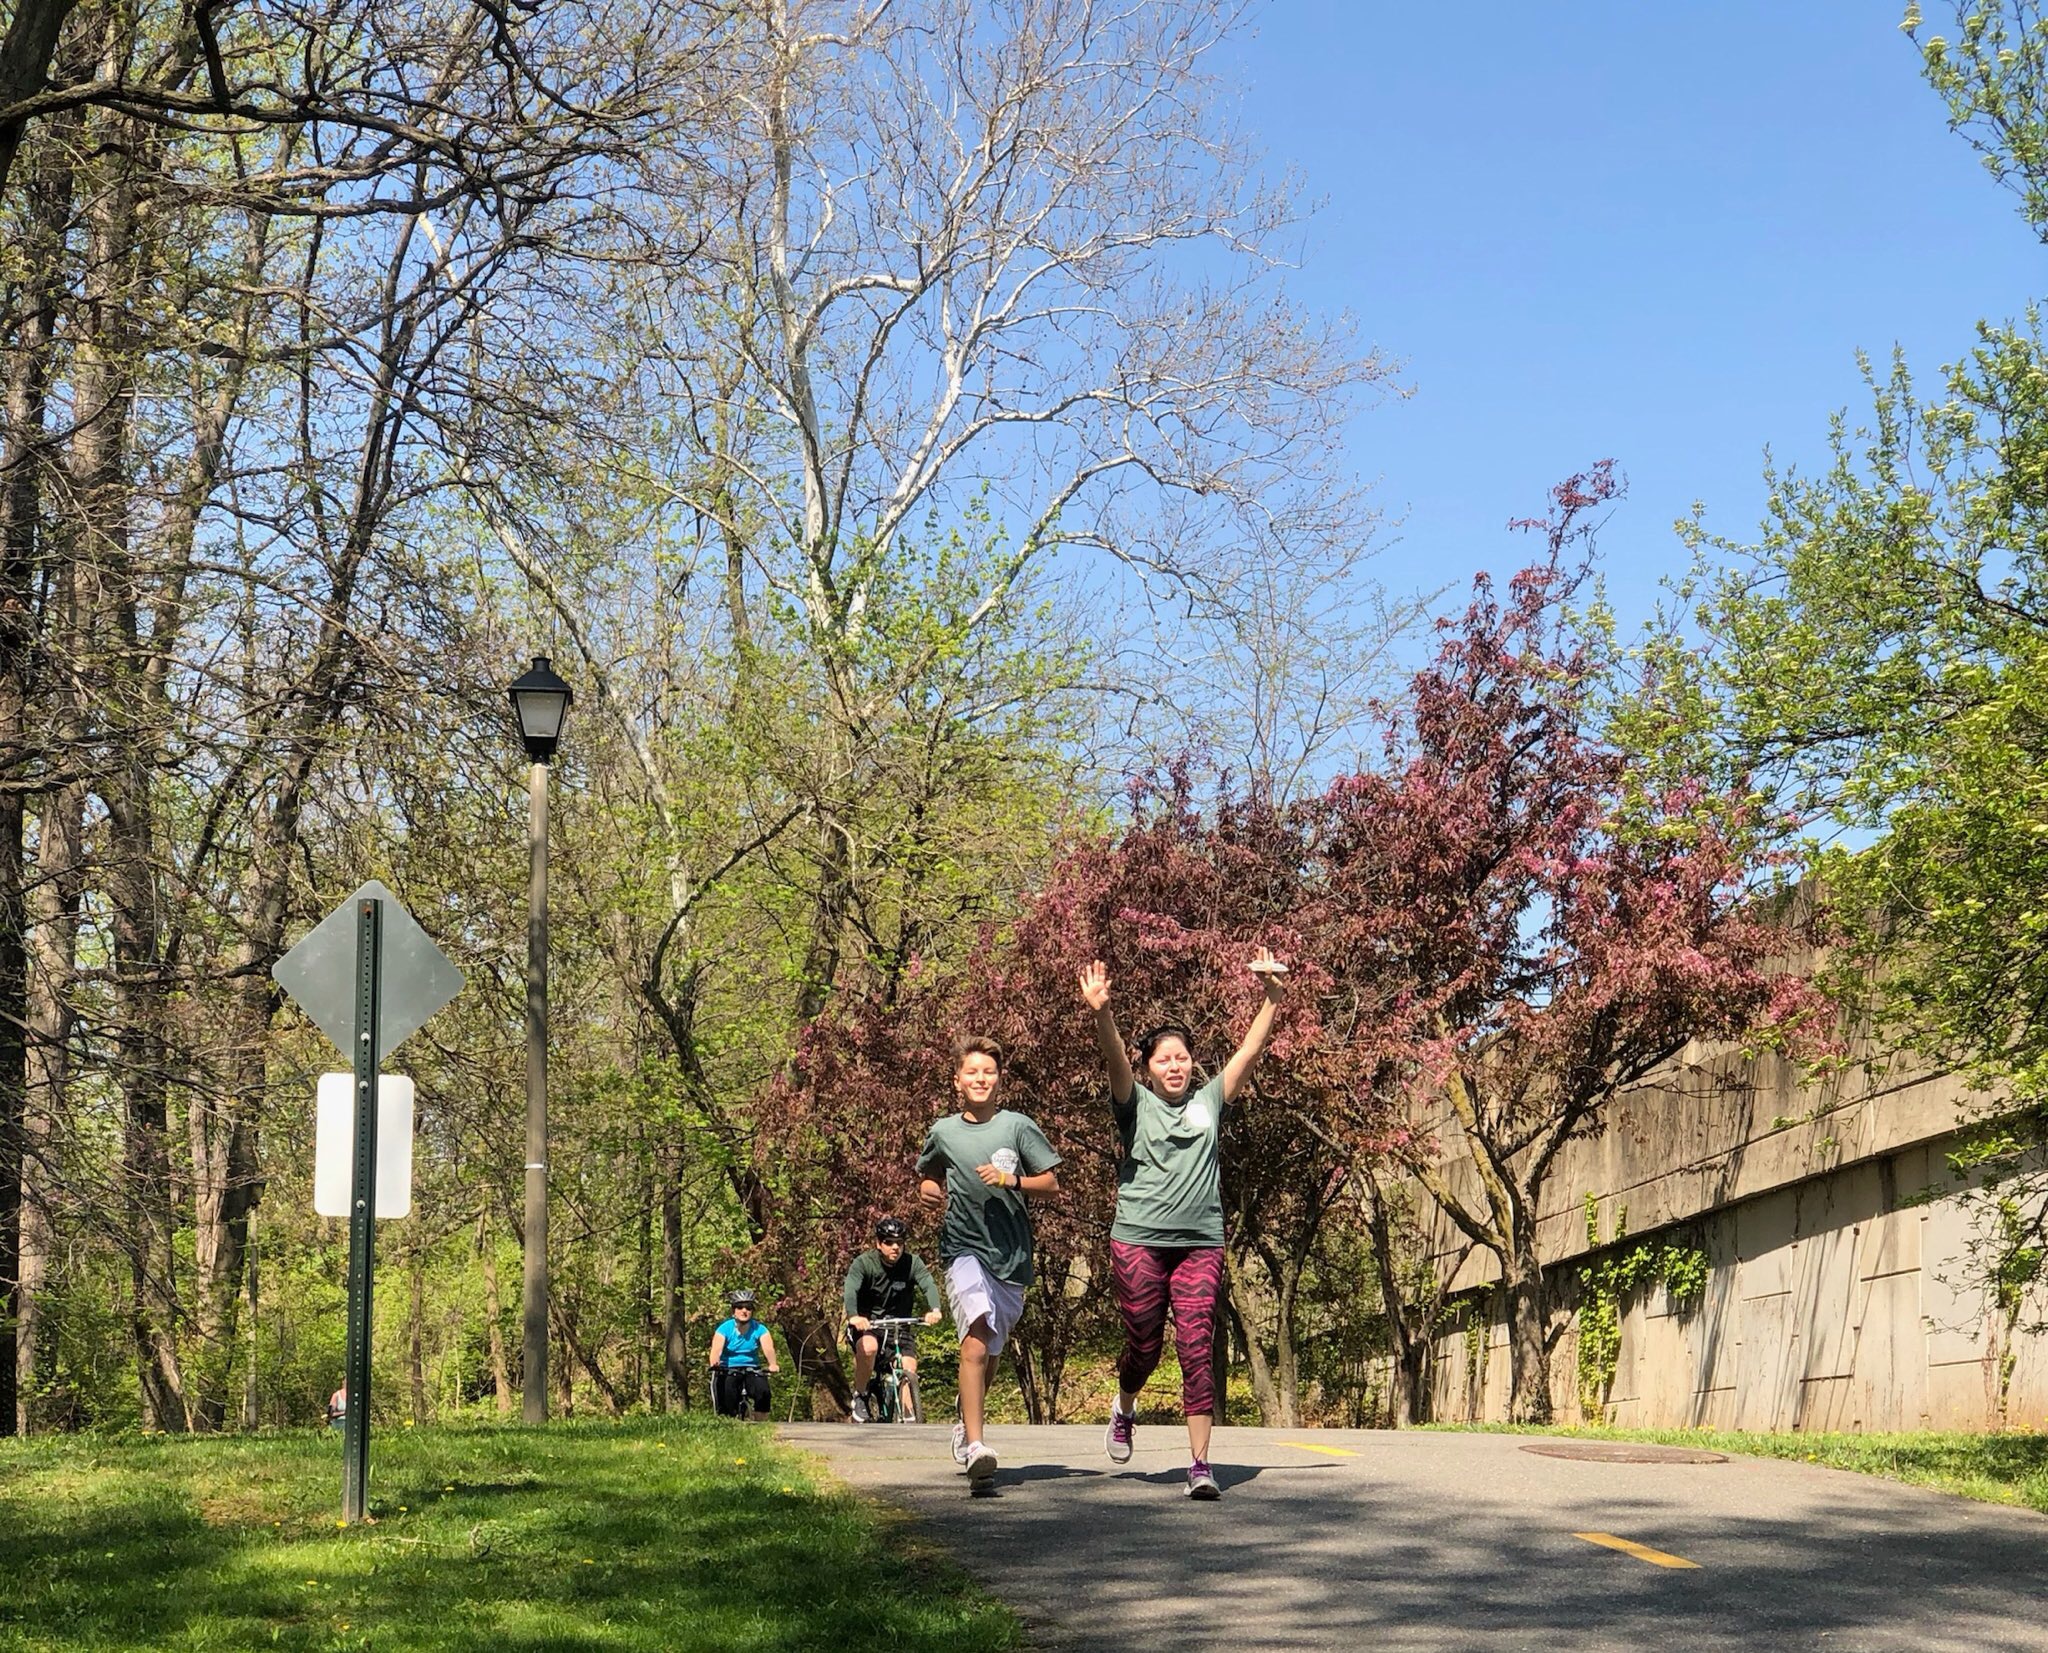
(1558, 932)
(1880, 657)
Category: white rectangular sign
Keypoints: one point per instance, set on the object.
(334, 1144)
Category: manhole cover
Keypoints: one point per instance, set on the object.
(1625, 1452)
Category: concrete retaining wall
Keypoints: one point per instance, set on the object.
(1838, 1243)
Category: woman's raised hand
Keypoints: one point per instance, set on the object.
(1269, 970)
(1095, 984)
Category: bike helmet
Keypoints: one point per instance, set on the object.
(742, 1296)
(891, 1228)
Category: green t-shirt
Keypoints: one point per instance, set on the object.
(1168, 1192)
(874, 1289)
(989, 1223)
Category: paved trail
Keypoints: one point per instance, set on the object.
(1404, 1541)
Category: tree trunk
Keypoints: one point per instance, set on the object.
(31, 48)
(60, 876)
(1027, 1382)
(252, 1374)
(586, 1356)
(227, 1181)
(24, 1239)
(1243, 1311)
(140, 1054)
(1408, 1376)
(814, 1351)
(828, 921)
(1408, 1384)
(416, 1334)
(1528, 1338)
(222, 1117)
(559, 1370)
(1286, 1358)
(103, 388)
(675, 1342)
(13, 1087)
(494, 1317)
(645, 1357)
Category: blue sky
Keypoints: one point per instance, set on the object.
(1653, 232)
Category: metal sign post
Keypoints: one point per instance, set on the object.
(362, 1216)
(369, 977)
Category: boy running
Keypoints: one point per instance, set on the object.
(1166, 1245)
(979, 1164)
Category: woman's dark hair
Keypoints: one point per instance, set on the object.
(974, 1044)
(1148, 1041)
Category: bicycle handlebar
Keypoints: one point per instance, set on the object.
(892, 1322)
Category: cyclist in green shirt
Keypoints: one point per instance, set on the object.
(885, 1281)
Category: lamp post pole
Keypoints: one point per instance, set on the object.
(541, 701)
(535, 1301)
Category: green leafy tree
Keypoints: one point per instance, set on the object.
(1880, 657)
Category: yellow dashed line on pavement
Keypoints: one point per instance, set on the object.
(1332, 1451)
(1642, 1552)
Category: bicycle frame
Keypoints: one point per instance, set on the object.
(890, 1378)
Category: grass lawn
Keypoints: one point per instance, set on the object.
(657, 1533)
(2009, 1468)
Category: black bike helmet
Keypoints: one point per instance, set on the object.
(891, 1228)
(741, 1296)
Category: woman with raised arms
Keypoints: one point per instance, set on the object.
(1166, 1245)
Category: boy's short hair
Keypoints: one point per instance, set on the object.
(976, 1044)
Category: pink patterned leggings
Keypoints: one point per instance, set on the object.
(1146, 1279)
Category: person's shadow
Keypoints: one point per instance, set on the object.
(1227, 1475)
(991, 1488)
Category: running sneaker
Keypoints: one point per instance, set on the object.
(1118, 1438)
(860, 1408)
(1201, 1484)
(959, 1442)
(981, 1463)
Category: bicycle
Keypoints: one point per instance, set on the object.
(890, 1385)
(730, 1399)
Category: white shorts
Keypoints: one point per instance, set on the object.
(979, 1295)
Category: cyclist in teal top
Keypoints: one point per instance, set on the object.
(738, 1348)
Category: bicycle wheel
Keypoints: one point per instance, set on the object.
(915, 1412)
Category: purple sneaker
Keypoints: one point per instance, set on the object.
(1118, 1438)
(1201, 1484)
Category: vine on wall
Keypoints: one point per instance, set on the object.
(1478, 1322)
(1605, 1285)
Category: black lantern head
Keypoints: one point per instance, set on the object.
(540, 700)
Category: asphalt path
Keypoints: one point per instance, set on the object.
(1410, 1541)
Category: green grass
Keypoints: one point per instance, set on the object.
(681, 1533)
(2009, 1468)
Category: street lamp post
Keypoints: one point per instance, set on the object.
(541, 700)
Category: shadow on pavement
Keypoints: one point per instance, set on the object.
(1227, 1475)
(1046, 1472)
(1341, 1559)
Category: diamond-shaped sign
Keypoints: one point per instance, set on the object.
(414, 976)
